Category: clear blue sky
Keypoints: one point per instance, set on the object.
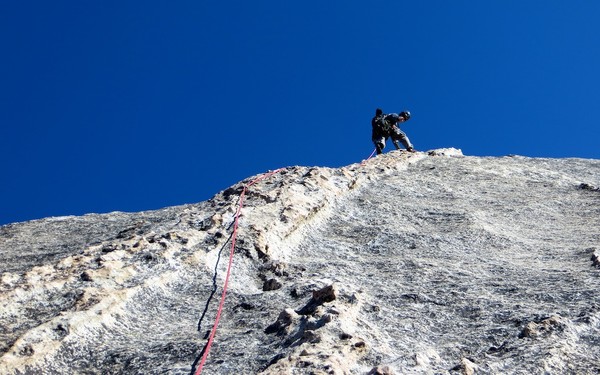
(137, 105)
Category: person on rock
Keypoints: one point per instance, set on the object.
(386, 126)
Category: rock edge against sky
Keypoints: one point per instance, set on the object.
(406, 263)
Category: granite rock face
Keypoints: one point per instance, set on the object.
(407, 263)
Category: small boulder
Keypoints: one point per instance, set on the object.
(589, 187)
(284, 320)
(319, 297)
(381, 370)
(271, 284)
(595, 257)
(326, 294)
(547, 325)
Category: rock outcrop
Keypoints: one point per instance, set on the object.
(404, 263)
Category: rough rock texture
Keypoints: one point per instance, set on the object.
(407, 263)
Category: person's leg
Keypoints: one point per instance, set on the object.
(399, 135)
(379, 144)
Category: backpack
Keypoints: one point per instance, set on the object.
(381, 124)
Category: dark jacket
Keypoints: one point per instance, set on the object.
(383, 126)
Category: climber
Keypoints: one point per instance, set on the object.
(386, 126)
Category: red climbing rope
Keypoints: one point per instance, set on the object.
(232, 251)
(370, 156)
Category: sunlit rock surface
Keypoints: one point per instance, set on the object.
(407, 263)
